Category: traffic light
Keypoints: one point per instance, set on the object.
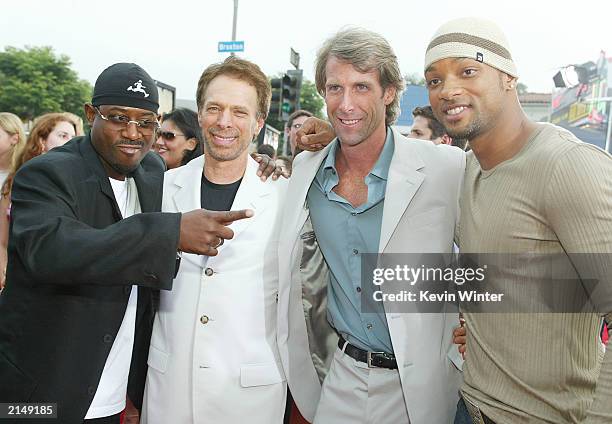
(290, 94)
(277, 98)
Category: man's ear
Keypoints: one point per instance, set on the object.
(389, 95)
(509, 81)
(260, 124)
(90, 113)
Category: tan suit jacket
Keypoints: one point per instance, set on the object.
(420, 213)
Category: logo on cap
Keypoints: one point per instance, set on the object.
(137, 87)
(479, 57)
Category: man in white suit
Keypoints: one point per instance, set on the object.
(369, 191)
(213, 356)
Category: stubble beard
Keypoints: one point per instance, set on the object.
(223, 155)
(473, 130)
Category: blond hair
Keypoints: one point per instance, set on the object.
(13, 125)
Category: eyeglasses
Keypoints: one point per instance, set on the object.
(169, 135)
(120, 122)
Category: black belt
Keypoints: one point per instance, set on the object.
(373, 359)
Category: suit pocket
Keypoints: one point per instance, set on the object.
(158, 359)
(427, 218)
(16, 386)
(261, 374)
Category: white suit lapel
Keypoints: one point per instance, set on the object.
(403, 182)
(187, 196)
(188, 181)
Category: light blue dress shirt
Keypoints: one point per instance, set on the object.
(343, 233)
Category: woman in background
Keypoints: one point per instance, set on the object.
(179, 138)
(49, 131)
(12, 140)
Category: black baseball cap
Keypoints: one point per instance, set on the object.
(126, 84)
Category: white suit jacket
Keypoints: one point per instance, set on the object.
(419, 216)
(213, 356)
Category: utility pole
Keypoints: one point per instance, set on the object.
(609, 131)
(234, 24)
(232, 46)
(235, 20)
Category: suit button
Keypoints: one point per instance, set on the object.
(91, 390)
(107, 338)
(208, 272)
(204, 319)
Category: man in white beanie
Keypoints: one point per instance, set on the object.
(529, 188)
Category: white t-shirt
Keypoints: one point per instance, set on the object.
(112, 389)
(3, 176)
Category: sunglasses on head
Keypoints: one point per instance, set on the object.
(169, 135)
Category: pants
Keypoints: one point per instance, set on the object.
(353, 393)
(462, 416)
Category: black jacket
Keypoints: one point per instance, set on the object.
(71, 263)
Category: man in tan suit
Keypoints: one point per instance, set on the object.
(369, 191)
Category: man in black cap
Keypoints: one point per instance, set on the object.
(87, 246)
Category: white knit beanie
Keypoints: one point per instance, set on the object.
(474, 38)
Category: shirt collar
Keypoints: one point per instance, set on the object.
(330, 159)
(328, 175)
(381, 167)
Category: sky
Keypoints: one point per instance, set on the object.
(174, 40)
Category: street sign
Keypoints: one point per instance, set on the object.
(230, 46)
(294, 59)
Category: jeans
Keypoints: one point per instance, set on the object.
(462, 416)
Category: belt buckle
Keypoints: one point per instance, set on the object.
(369, 359)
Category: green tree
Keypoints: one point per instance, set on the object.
(311, 100)
(521, 88)
(34, 81)
(414, 79)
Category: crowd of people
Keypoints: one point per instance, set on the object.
(187, 285)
